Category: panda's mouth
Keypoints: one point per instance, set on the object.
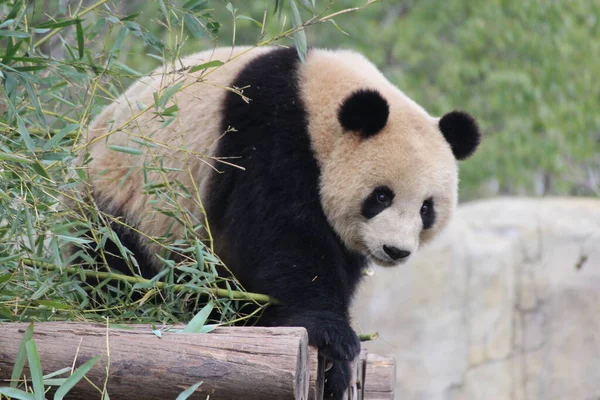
(384, 260)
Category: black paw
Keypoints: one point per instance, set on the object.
(336, 340)
(337, 380)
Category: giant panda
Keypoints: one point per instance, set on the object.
(308, 171)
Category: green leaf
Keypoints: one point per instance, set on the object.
(188, 392)
(15, 10)
(35, 369)
(7, 23)
(163, 9)
(5, 278)
(278, 8)
(11, 50)
(196, 5)
(193, 26)
(15, 158)
(29, 68)
(196, 324)
(80, 41)
(77, 375)
(168, 93)
(210, 64)
(54, 304)
(18, 394)
(300, 36)
(39, 168)
(56, 373)
(118, 44)
(59, 136)
(17, 34)
(58, 24)
(127, 150)
(21, 354)
(25, 134)
(257, 23)
(130, 17)
(54, 382)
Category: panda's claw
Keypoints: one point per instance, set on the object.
(337, 380)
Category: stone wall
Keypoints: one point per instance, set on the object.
(505, 305)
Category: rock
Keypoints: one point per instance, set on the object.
(505, 305)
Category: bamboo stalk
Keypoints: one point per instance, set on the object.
(231, 294)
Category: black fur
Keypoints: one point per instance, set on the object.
(364, 111)
(267, 220)
(461, 131)
(373, 204)
(428, 213)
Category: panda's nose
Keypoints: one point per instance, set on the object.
(395, 253)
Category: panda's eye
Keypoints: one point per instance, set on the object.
(383, 197)
(379, 199)
(428, 213)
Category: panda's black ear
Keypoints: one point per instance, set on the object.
(461, 131)
(365, 112)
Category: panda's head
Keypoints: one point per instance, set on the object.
(389, 172)
(390, 181)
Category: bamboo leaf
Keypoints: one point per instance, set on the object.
(193, 26)
(57, 24)
(188, 392)
(25, 134)
(72, 380)
(299, 36)
(21, 355)
(196, 324)
(210, 64)
(35, 369)
(39, 168)
(15, 158)
(196, 5)
(56, 139)
(17, 34)
(18, 394)
(127, 150)
(80, 41)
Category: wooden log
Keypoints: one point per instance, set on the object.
(355, 390)
(316, 384)
(380, 377)
(361, 373)
(232, 363)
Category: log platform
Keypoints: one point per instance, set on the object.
(231, 362)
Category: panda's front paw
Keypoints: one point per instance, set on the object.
(336, 340)
(337, 380)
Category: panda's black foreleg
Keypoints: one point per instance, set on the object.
(337, 380)
(330, 332)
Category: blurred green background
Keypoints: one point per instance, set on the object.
(528, 70)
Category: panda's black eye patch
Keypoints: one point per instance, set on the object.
(428, 213)
(365, 112)
(379, 199)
